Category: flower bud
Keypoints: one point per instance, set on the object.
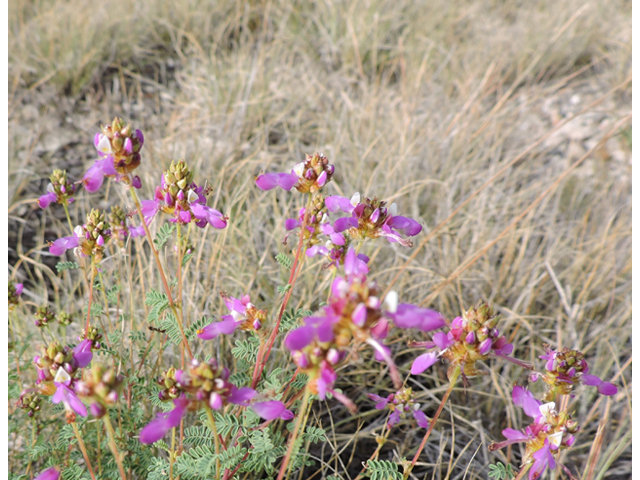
(97, 410)
(470, 338)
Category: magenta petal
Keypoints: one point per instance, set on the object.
(411, 316)
(19, 287)
(227, 326)
(383, 353)
(154, 431)
(82, 353)
(382, 402)
(63, 244)
(94, 177)
(442, 340)
(336, 202)
(291, 223)
(149, 207)
(421, 418)
(591, 380)
(405, 225)
(393, 418)
(485, 346)
(359, 315)
(606, 388)
(47, 199)
(75, 404)
(107, 167)
(515, 435)
(299, 338)
(267, 181)
(423, 362)
(269, 410)
(316, 250)
(287, 181)
(52, 473)
(344, 223)
(240, 396)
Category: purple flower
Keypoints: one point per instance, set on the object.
(66, 395)
(52, 473)
(372, 219)
(543, 459)
(272, 409)
(63, 244)
(241, 396)
(566, 368)
(164, 422)
(403, 401)
(410, 316)
(93, 179)
(308, 176)
(19, 287)
(48, 198)
(243, 315)
(82, 353)
(269, 181)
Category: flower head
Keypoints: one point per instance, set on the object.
(566, 368)
(118, 147)
(308, 176)
(15, 290)
(355, 312)
(400, 403)
(184, 200)
(242, 314)
(471, 338)
(550, 432)
(65, 385)
(44, 316)
(89, 239)
(29, 401)
(102, 386)
(59, 190)
(118, 222)
(371, 218)
(205, 384)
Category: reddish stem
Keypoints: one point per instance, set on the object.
(261, 360)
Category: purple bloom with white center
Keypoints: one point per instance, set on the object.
(243, 315)
(400, 403)
(550, 432)
(66, 394)
(307, 177)
(186, 202)
(118, 147)
(566, 368)
(470, 338)
(372, 219)
(52, 473)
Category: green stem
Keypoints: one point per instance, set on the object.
(93, 277)
(216, 438)
(452, 382)
(156, 256)
(66, 211)
(172, 453)
(83, 449)
(294, 434)
(113, 446)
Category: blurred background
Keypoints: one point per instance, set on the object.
(416, 102)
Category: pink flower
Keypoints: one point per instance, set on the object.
(308, 176)
(66, 395)
(399, 403)
(82, 353)
(243, 314)
(63, 244)
(164, 422)
(52, 473)
(272, 409)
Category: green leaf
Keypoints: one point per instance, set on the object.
(186, 258)
(284, 260)
(246, 349)
(159, 303)
(284, 289)
(163, 235)
(112, 294)
(62, 266)
(501, 472)
(382, 470)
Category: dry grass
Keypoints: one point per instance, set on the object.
(419, 102)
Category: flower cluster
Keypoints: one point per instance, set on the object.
(566, 368)
(119, 227)
(44, 316)
(242, 314)
(550, 432)
(372, 219)
(307, 177)
(59, 190)
(29, 401)
(57, 368)
(401, 402)
(15, 290)
(355, 312)
(89, 239)
(102, 386)
(204, 384)
(470, 338)
(119, 148)
(184, 200)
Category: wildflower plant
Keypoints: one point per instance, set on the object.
(202, 396)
